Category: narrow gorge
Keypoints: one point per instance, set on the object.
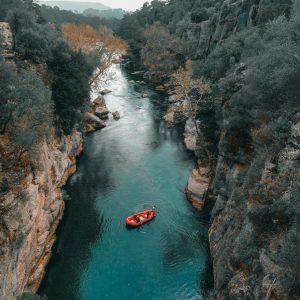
(192, 106)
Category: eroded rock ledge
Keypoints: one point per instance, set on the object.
(30, 214)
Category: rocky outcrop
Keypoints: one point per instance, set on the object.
(190, 135)
(94, 118)
(30, 214)
(197, 187)
(6, 41)
(176, 114)
(247, 259)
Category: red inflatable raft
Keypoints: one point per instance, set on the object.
(139, 219)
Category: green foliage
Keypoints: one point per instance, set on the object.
(26, 107)
(40, 42)
(199, 15)
(71, 88)
(163, 53)
(33, 45)
(269, 10)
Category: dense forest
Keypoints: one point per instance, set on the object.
(244, 88)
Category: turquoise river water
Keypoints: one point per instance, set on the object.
(131, 165)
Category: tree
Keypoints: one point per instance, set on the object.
(71, 90)
(163, 52)
(101, 46)
(26, 108)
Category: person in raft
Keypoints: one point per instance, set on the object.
(152, 210)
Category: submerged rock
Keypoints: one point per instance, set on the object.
(176, 114)
(198, 186)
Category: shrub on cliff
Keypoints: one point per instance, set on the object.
(199, 15)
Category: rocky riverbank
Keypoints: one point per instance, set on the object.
(31, 212)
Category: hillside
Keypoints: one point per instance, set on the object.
(79, 7)
(117, 13)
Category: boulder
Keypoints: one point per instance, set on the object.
(144, 95)
(197, 188)
(116, 115)
(105, 91)
(191, 136)
(102, 112)
(99, 102)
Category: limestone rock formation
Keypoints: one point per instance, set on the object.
(197, 188)
(7, 41)
(30, 214)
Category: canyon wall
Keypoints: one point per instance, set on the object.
(30, 214)
(252, 181)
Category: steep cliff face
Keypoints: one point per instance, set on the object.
(30, 214)
(250, 223)
(224, 19)
(253, 180)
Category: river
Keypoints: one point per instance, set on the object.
(131, 165)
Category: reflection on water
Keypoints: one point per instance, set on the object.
(131, 165)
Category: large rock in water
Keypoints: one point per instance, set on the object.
(99, 102)
(105, 91)
(198, 186)
(99, 108)
(102, 112)
(93, 122)
(116, 115)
